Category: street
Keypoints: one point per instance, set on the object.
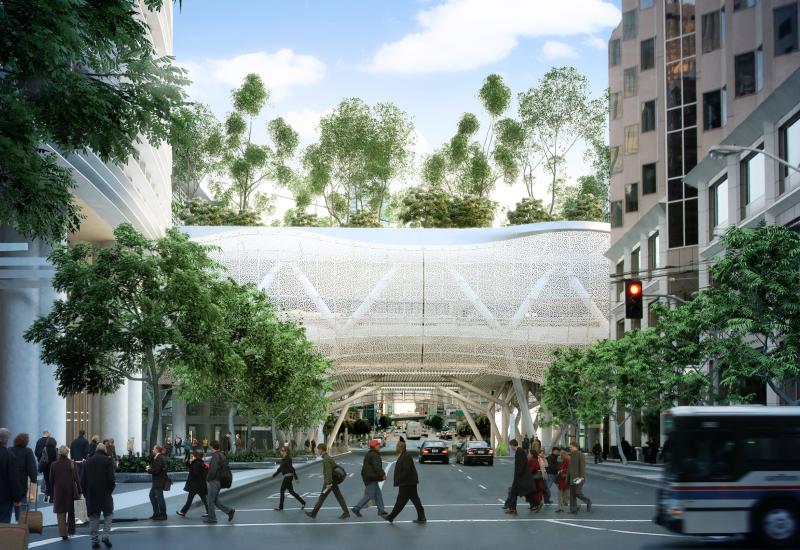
(463, 506)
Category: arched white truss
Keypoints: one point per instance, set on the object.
(404, 312)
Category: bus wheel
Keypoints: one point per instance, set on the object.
(777, 524)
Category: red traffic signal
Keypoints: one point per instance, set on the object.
(633, 299)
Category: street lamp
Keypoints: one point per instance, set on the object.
(720, 151)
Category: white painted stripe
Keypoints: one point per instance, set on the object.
(463, 506)
(484, 488)
(51, 541)
(469, 478)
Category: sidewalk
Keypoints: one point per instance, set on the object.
(637, 470)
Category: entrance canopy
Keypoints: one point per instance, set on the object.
(406, 312)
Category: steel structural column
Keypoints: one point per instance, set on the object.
(466, 401)
(522, 402)
(345, 406)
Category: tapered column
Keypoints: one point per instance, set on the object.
(134, 418)
(178, 417)
(52, 407)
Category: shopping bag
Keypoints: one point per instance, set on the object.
(80, 510)
(32, 518)
(33, 490)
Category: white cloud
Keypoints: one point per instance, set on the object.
(460, 35)
(553, 50)
(306, 123)
(596, 42)
(282, 71)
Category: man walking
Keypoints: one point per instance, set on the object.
(329, 485)
(40, 445)
(11, 491)
(523, 483)
(79, 448)
(577, 479)
(99, 483)
(216, 470)
(406, 481)
(552, 472)
(158, 469)
(372, 474)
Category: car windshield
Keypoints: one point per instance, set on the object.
(433, 444)
(477, 444)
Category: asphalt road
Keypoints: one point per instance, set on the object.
(463, 506)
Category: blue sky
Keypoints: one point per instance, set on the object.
(428, 57)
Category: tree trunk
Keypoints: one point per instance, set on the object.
(617, 427)
(231, 417)
(153, 414)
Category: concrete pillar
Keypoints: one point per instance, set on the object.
(113, 416)
(522, 401)
(52, 407)
(512, 425)
(471, 422)
(134, 418)
(178, 417)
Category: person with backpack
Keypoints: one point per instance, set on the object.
(333, 475)
(219, 477)
(286, 469)
(372, 474)
(406, 481)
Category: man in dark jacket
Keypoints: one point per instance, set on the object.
(79, 448)
(372, 474)
(329, 486)
(158, 469)
(218, 465)
(523, 483)
(196, 483)
(406, 481)
(577, 479)
(26, 468)
(40, 444)
(11, 493)
(99, 483)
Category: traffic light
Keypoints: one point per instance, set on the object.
(633, 299)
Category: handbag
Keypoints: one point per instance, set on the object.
(537, 475)
(76, 487)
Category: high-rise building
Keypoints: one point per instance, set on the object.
(138, 192)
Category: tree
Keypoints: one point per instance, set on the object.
(528, 210)
(435, 422)
(203, 212)
(135, 310)
(360, 152)
(384, 422)
(248, 164)
(556, 115)
(585, 201)
(74, 81)
(296, 217)
(431, 207)
(361, 427)
(196, 139)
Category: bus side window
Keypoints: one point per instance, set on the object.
(710, 456)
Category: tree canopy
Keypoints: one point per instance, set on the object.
(197, 142)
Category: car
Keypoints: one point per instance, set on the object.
(434, 450)
(447, 436)
(472, 452)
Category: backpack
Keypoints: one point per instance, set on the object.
(225, 474)
(43, 460)
(339, 475)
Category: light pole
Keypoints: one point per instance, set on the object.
(720, 151)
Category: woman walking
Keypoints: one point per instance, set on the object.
(49, 457)
(538, 477)
(406, 481)
(66, 490)
(195, 483)
(26, 469)
(562, 480)
(289, 476)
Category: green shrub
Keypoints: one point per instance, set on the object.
(137, 464)
(501, 450)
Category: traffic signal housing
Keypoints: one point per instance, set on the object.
(633, 299)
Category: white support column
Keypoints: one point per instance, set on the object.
(336, 427)
(471, 421)
(522, 401)
(178, 417)
(52, 407)
(112, 416)
(134, 418)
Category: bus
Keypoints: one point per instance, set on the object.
(732, 471)
(413, 430)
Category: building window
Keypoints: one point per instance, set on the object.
(647, 51)
(615, 106)
(745, 73)
(789, 148)
(760, 68)
(652, 318)
(785, 29)
(743, 4)
(615, 213)
(631, 139)
(632, 197)
(711, 31)
(648, 178)
(619, 275)
(649, 116)
(752, 180)
(615, 52)
(645, 4)
(718, 199)
(620, 329)
(616, 160)
(629, 20)
(653, 252)
(629, 82)
(635, 263)
(712, 110)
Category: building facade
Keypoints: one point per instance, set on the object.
(684, 75)
(138, 192)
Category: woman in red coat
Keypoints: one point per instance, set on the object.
(66, 489)
(562, 479)
(538, 476)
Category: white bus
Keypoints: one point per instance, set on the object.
(732, 471)
(413, 430)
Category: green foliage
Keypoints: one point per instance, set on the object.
(330, 422)
(361, 427)
(528, 210)
(384, 422)
(295, 217)
(360, 152)
(501, 450)
(203, 212)
(363, 218)
(197, 143)
(435, 422)
(134, 310)
(431, 207)
(136, 464)
(247, 164)
(250, 457)
(72, 79)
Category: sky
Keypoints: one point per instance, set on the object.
(429, 57)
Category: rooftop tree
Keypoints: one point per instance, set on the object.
(196, 138)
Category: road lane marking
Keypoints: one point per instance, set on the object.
(498, 500)
(562, 522)
(469, 478)
(51, 541)
(482, 487)
(466, 505)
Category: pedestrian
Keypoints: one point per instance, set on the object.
(66, 486)
(562, 482)
(25, 464)
(406, 481)
(99, 483)
(526, 444)
(79, 448)
(652, 451)
(195, 483)
(597, 451)
(372, 473)
(523, 483)
(226, 443)
(12, 492)
(111, 450)
(330, 483)
(545, 478)
(178, 445)
(93, 445)
(187, 448)
(577, 479)
(168, 447)
(40, 444)
(535, 466)
(217, 471)
(552, 471)
(160, 482)
(49, 456)
(286, 469)
(627, 450)
(239, 444)
(313, 445)
(536, 445)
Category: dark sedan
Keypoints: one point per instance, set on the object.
(434, 450)
(472, 452)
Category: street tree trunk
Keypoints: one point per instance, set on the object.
(618, 428)
(231, 418)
